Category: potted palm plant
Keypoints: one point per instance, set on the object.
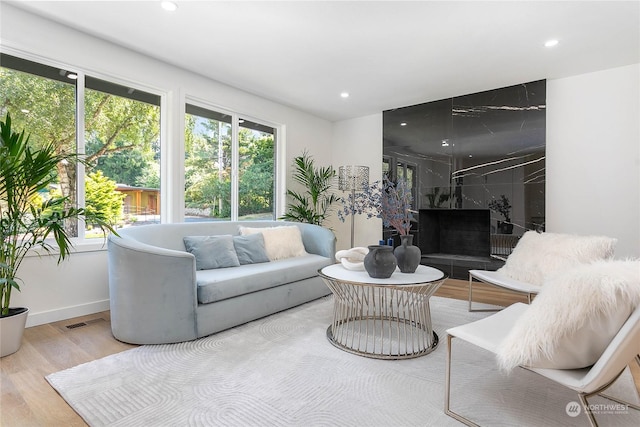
(313, 205)
(29, 221)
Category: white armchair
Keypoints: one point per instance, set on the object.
(538, 256)
(581, 331)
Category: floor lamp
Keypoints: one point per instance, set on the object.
(352, 178)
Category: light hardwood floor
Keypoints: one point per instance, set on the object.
(28, 400)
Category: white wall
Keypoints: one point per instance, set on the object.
(358, 142)
(80, 285)
(593, 156)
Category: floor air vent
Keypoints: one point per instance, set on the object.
(81, 324)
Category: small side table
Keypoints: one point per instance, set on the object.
(382, 318)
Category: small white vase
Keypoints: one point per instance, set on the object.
(11, 330)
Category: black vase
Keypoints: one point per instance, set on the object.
(407, 256)
(380, 262)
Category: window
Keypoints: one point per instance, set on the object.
(120, 178)
(42, 101)
(207, 165)
(212, 190)
(256, 171)
(230, 160)
(407, 171)
(122, 146)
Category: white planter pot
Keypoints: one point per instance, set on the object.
(11, 330)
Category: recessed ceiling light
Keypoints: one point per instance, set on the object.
(169, 5)
(403, 124)
(344, 94)
(551, 43)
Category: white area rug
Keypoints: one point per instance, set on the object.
(282, 371)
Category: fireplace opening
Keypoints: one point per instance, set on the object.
(456, 240)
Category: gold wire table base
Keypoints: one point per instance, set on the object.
(382, 321)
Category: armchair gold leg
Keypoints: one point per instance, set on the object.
(585, 405)
(599, 392)
(447, 390)
(474, 310)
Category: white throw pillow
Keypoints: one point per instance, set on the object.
(279, 242)
(574, 317)
(539, 256)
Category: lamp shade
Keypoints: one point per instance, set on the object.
(353, 177)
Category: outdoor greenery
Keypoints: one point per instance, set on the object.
(121, 134)
(122, 145)
(29, 215)
(101, 201)
(313, 204)
(208, 169)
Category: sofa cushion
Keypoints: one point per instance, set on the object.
(280, 242)
(217, 285)
(574, 317)
(212, 251)
(250, 249)
(539, 256)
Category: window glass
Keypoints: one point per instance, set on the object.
(122, 146)
(256, 171)
(386, 168)
(121, 142)
(207, 165)
(209, 162)
(42, 102)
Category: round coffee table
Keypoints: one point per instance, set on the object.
(382, 318)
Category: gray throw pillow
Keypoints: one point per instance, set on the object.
(250, 249)
(212, 251)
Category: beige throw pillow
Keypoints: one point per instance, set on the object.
(279, 242)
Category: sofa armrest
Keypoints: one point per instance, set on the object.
(318, 240)
(152, 293)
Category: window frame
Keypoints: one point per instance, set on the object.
(81, 243)
(172, 144)
(235, 145)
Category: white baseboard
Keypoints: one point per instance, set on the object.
(43, 317)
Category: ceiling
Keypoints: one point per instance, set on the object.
(386, 54)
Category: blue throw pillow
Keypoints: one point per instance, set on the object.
(250, 249)
(212, 251)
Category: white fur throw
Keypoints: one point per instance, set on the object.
(539, 256)
(279, 242)
(352, 259)
(574, 317)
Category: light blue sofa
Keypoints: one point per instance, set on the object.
(154, 287)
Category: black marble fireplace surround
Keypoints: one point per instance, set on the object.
(468, 153)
